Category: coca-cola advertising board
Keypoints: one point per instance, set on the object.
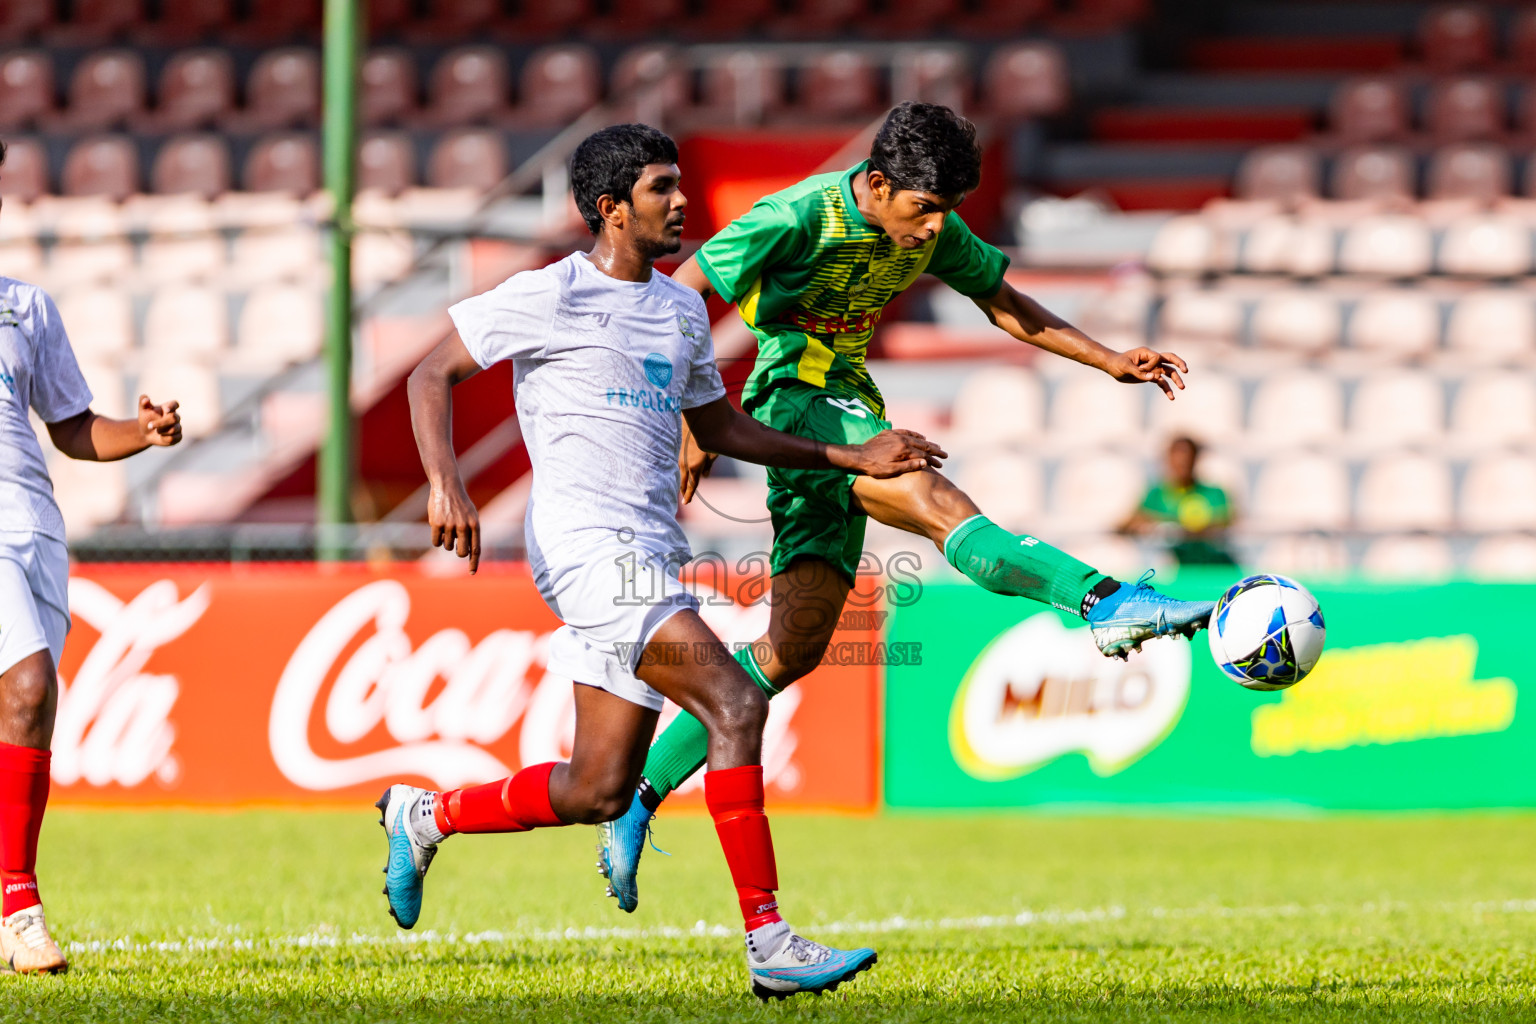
(231, 684)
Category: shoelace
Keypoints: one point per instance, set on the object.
(35, 934)
(650, 836)
(807, 951)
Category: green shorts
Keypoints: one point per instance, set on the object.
(810, 507)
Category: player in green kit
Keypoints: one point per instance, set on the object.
(810, 270)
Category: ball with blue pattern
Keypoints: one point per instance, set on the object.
(1267, 632)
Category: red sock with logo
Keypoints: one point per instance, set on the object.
(515, 804)
(23, 798)
(735, 800)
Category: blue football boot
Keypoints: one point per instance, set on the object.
(806, 966)
(1132, 615)
(620, 844)
(409, 854)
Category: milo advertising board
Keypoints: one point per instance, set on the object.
(1416, 703)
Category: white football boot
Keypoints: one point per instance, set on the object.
(26, 947)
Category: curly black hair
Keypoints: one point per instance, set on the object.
(610, 161)
(926, 147)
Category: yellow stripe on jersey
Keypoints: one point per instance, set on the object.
(815, 361)
(747, 304)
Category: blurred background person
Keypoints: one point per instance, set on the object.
(1190, 514)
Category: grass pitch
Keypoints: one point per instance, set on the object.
(259, 916)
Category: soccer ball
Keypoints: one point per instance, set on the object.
(1267, 632)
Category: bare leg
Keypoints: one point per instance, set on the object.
(612, 736)
(29, 698)
(708, 684)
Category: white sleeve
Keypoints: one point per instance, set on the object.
(59, 390)
(704, 384)
(511, 321)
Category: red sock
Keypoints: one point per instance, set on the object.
(516, 804)
(23, 797)
(735, 800)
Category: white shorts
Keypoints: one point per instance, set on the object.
(612, 603)
(34, 597)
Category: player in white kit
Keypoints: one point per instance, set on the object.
(38, 372)
(608, 356)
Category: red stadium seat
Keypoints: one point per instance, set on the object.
(197, 88)
(1284, 173)
(558, 83)
(386, 162)
(463, 17)
(641, 18)
(1522, 40)
(1469, 171)
(734, 20)
(106, 165)
(22, 19)
(469, 84)
(839, 84)
(659, 74)
(822, 17)
(26, 89)
(1026, 80)
(743, 87)
(387, 16)
(387, 90)
(1374, 172)
(25, 175)
(549, 18)
(106, 91)
(289, 162)
(93, 22)
(471, 158)
(196, 164)
(182, 22)
(276, 21)
(1462, 109)
(283, 91)
(932, 75)
(1457, 37)
(1369, 110)
(993, 19)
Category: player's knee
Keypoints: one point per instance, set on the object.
(30, 689)
(743, 713)
(603, 797)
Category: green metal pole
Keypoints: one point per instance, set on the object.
(334, 477)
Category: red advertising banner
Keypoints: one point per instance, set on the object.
(230, 684)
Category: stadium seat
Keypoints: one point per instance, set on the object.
(1397, 322)
(183, 243)
(95, 22)
(282, 91)
(381, 256)
(1301, 247)
(1089, 409)
(1475, 171)
(1306, 555)
(1007, 484)
(1200, 316)
(387, 87)
(1298, 320)
(1499, 493)
(743, 87)
(1296, 408)
(932, 74)
(1464, 110)
(186, 322)
(109, 397)
(276, 21)
(386, 163)
(1187, 246)
(460, 19)
(197, 89)
(193, 384)
(1023, 80)
(1507, 558)
(105, 91)
(653, 80)
(1388, 245)
(1405, 492)
(99, 321)
(1522, 40)
(820, 17)
(89, 493)
(1300, 491)
(21, 256)
(287, 162)
(1382, 173)
(1287, 174)
(468, 85)
(25, 174)
(557, 85)
(1211, 410)
(1415, 558)
(280, 324)
(192, 164)
(1397, 407)
(21, 20)
(838, 85)
(93, 244)
(26, 89)
(550, 18)
(1457, 37)
(639, 19)
(1486, 246)
(1494, 408)
(1001, 19)
(1494, 325)
(740, 19)
(185, 21)
(1369, 110)
(265, 254)
(386, 17)
(1001, 406)
(106, 165)
(1094, 492)
(472, 158)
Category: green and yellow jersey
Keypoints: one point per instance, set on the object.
(811, 278)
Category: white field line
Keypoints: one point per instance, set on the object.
(700, 929)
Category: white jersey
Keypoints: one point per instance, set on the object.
(602, 371)
(37, 371)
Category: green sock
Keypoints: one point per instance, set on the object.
(1019, 565)
(683, 746)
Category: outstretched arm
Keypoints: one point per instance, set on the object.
(1027, 320)
(455, 522)
(95, 438)
(718, 427)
